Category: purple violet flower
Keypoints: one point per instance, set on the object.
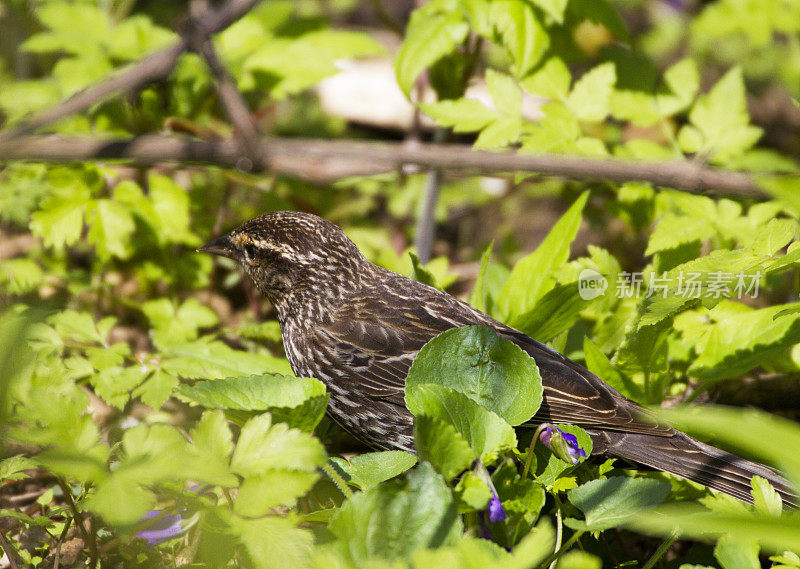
(495, 507)
(164, 527)
(496, 511)
(564, 445)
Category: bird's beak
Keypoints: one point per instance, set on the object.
(220, 246)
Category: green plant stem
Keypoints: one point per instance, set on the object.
(559, 526)
(330, 471)
(87, 533)
(662, 549)
(569, 543)
(528, 458)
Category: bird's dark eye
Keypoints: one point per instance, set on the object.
(250, 250)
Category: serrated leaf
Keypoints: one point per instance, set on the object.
(428, 38)
(499, 134)
(774, 236)
(59, 222)
(370, 469)
(766, 499)
(721, 120)
(11, 468)
(589, 98)
(110, 228)
(259, 493)
(263, 446)
(462, 115)
(673, 231)
(551, 80)
(523, 37)
(490, 370)
(206, 358)
(273, 542)
(734, 553)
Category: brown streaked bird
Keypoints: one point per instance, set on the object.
(357, 327)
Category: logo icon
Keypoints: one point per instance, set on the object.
(591, 284)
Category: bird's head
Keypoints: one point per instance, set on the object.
(290, 255)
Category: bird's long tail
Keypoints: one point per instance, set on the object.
(688, 458)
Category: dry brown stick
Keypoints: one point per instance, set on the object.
(327, 160)
(152, 68)
(232, 100)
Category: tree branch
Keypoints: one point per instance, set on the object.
(328, 160)
(152, 68)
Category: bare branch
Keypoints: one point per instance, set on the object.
(232, 100)
(327, 160)
(152, 68)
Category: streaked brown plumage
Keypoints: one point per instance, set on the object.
(357, 327)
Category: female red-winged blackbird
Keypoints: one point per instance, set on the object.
(357, 327)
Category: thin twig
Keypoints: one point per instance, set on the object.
(232, 100)
(662, 549)
(11, 553)
(327, 160)
(86, 533)
(67, 525)
(567, 544)
(152, 68)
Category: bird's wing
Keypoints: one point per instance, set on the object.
(573, 394)
(378, 339)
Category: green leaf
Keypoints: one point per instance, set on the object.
(601, 366)
(505, 92)
(523, 37)
(395, 519)
(59, 222)
(477, 297)
(110, 228)
(683, 80)
(486, 432)
(553, 8)
(766, 499)
(554, 313)
(207, 358)
(755, 433)
(439, 443)
(11, 468)
(590, 95)
(551, 80)
(429, 37)
(549, 468)
(370, 469)
(259, 493)
(263, 446)
(674, 231)
(273, 542)
(422, 274)
(774, 534)
(721, 122)
(733, 553)
(299, 401)
(611, 502)
(739, 342)
(156, 389)
(533, 275)
(490, 370)
(774, 236)
(462, 115)
(213, 444)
